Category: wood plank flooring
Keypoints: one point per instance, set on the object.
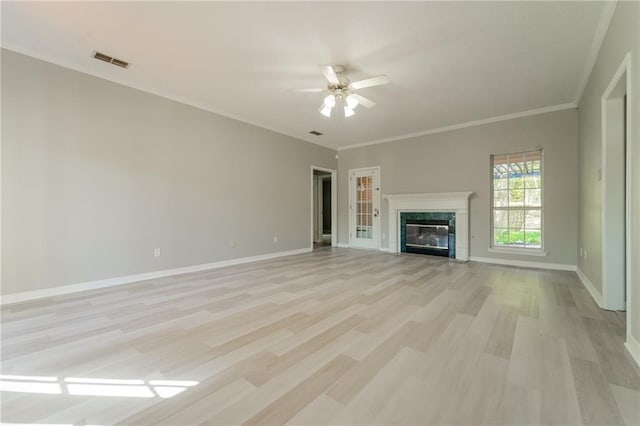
(336, 336)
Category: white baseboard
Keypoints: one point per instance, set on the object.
(386, 250)
(110, 282)
(586, 282)
(343, 245)
(524, 264)
(633, 346)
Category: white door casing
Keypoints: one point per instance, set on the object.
(616, 181)
(334, 205)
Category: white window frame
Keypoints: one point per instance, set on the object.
(533, 251)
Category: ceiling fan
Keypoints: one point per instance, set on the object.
(340, 89)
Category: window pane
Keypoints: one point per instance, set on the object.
(516, 165)
(516, 238)
(532, 181)
(500, 237)
(516, 192)
(533, 238)
(534, 167)
(533, 219)
(516, 220)
(500, 183)
(516, 181)
(500, 219)
(533, 197)
(500, 198)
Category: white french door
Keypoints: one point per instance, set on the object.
(364, 208)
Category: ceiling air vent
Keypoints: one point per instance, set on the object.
(315, 132)
(109, 59)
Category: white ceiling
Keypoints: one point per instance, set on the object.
(448, 62)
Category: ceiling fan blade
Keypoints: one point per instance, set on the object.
(365, 102)
(330, 74)
(370, 82)
(309, 90)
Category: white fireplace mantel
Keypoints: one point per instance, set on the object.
(456, 202)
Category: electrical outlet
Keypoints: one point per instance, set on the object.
(275, 239)
(156, 252)
(585, 255)
(232, 243)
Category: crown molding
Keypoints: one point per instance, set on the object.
(204, 107)
(598, 38)
(489, 120)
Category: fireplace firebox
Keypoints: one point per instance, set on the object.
(428, 237)
(431, 233)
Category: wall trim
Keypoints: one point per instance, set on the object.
(128, 279)
(598, 38)
(633, 346)
(586, 282)
(528, 113)
(387, 250)
(343, 245)
(524, 263)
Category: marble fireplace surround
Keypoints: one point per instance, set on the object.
(456, 202)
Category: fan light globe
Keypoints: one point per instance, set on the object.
(326, 111)
(330, 101)
(352, 101)
(348, 112)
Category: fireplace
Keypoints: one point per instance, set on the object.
(453, 205)
(431, 233)
(427, 237)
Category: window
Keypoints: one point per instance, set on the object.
(517, 200)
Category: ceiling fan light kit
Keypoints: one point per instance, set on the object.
(348, 112)
(330, 101)
(340, 89)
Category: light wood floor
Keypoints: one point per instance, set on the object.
(337, 336)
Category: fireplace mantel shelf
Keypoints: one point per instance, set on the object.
(457, 202)
(462, 196)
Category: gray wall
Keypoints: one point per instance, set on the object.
(459, 160)
(96, 175)
(622, 36)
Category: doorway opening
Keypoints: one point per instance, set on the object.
(324, 211)
(616, 193)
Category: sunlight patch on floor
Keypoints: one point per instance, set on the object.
(83, 386)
